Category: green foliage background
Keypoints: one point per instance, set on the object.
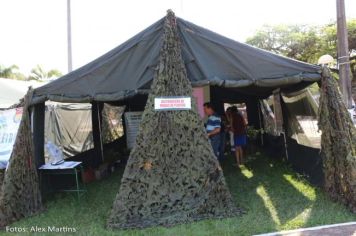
(302, 42)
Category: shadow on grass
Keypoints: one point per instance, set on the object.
(277, 198)
(263, 188)
(242, 184)
(276, 187)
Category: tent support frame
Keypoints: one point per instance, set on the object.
(38, 127)
(96, 121)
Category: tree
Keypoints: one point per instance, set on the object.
(329, 46)
(305, 43)
(351, 27)
(302, 42)
(38, 73)
(11, 72)
(295, 41)
(7, 72)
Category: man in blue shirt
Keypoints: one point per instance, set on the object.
(213, 127)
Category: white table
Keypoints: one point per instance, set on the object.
(64, 165)
(66, 168)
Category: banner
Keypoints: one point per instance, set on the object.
(132, 124)
(9, 124)
(198, 94)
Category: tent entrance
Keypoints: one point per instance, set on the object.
(107, 144)
(290, 132)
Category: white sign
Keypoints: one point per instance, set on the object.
(132, 124)
(9, 124)
(173, 103)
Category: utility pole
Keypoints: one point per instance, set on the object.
(343, 54)
(69, 36)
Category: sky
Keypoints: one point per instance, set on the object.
(35, 31)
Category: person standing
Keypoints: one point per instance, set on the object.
(238, 127)
(213, 127)
(229, 129)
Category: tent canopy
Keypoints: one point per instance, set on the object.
(210, 59)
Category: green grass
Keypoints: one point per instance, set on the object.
(274, 197)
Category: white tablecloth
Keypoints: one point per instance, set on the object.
(64, 165)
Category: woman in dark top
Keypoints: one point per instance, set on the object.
(238, 127)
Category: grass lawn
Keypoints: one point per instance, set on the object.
(274, 197)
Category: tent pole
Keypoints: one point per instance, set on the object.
(278, 114)
(285, 144)
(95, 117)
(100, 134)
(38, 126)
(278, 110)
(260, 120)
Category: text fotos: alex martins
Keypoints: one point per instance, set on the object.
(38, 229)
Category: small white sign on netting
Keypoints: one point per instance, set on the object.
(172, 103)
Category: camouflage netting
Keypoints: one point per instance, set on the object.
(338, 144)
(20, 195)
(111, 126)
(172, 176)
(2, 173)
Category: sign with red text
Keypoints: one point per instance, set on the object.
(173, 103)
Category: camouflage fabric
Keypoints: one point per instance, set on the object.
(20, 195)
(2, 173)
(172, 176)
(338, 143)
(111, 125)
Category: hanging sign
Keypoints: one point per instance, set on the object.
(173, 103)
(132, 123)
(9, 124)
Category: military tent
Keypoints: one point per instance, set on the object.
(234, 72)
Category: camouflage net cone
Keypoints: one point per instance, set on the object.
(172, 176)
(338, 144)
(2, 174)
(20, 195)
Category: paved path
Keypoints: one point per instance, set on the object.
(345, 229)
